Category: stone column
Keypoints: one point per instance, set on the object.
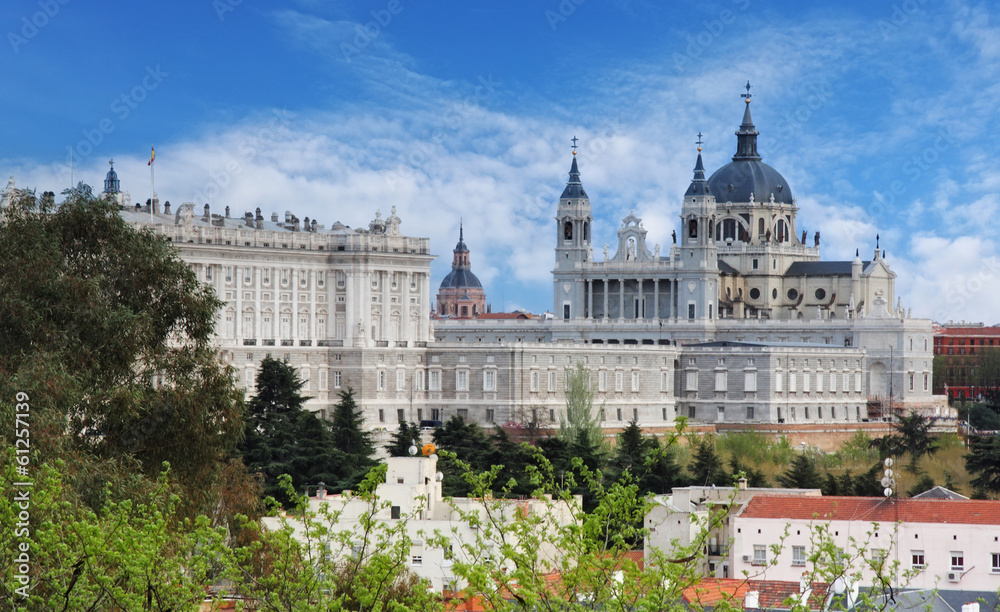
(656, 298)
(590, 299)
(605, 315)
(621, 298)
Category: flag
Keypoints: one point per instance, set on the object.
(152, 156)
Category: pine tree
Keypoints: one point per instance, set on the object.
(631, 452)
(801, 474)
(351, 439)
(707, 469)
(283, 438)
(470, 445)
(406, 436)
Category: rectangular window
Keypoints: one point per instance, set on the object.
(759, 554)
(845, 382)
(635, 381)
(917, 559)
(778, 378)
(664, 381)
(401, 415)
(722, 414)
(720, 382)
(381, 415)
(229, 274)
(323, 380)
(926, 381)
(400, 380)
(857, 382)
(434, 382)
(416, 560)
(534, 381)
(336, 380)
(462, 380)
(819, 382)
(911, 381)
(750, 382)
(995, 563)
(805, 381)
(394, 512)
(692, 381)
(619, 380)
(798, 555)
(957, 560)
(602, 381)
(691, 311)
(749, 413)
(380, 380)
(247, 276)
(490, 416)
(552, 381)
(489, 380)
(791, 381)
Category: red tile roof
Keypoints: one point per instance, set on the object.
(504, 315)
(875, 509)
(772, 593)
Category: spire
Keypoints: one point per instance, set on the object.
(461, 259)
(746, 136)
(460, 247)
(699, 186)
(574, 188)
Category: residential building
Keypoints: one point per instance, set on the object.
(959, 348)
(947, 544)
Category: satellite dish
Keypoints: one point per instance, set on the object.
(888, 472)
(887, 492)
(428, 449)
(888, 462)
(412, 450)
(439, 477)
(886, 482)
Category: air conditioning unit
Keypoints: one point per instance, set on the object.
(954, 576)
(746, 558)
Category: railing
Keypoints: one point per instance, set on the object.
(249, 342)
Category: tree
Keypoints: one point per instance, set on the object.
(706, 468)
(283, 438)
(631, 451)
(349, 436)
(801, 474)
(111, 337)
(580, 413)
(406, 436)
(983, 462)
(469, 444)
(913, 437)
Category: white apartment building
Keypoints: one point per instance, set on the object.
(947, 544)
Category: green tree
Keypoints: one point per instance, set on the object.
(631, 451)
(111, 336)
(580, 414)
(469, 444)
(926, 483)
(706, 468)
(983, 462)
(349, 437)
(801, 474)
(283, 438)
(913, 437)
(406, 436)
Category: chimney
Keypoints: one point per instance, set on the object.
(166, 207)
(227, 212)
(314, 225)
(321, 490)
(274, 217)
(305, 224)
(288, 216)
(804, 582)
(248, 219)
(208, 213)
(742, 484)
(751, 601)
(971, 607)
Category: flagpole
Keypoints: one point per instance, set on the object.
(152, 184)
(71, 168)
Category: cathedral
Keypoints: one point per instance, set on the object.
(738, 320)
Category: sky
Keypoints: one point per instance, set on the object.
(881, 116)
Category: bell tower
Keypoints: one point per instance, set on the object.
(573, 248)
(698, 293)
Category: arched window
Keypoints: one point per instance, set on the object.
(729, 229)
(692, 228)
(760, 228)
(782, 231)
(586, 230)
(568, 230)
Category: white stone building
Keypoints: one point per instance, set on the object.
(412, 493)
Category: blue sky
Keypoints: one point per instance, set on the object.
(881, 116)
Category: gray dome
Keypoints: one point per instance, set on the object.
(735, 181)
(460, 279)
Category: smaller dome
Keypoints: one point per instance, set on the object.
(461, 279)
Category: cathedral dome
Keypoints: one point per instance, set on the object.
(747, 175)
(735, 181)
